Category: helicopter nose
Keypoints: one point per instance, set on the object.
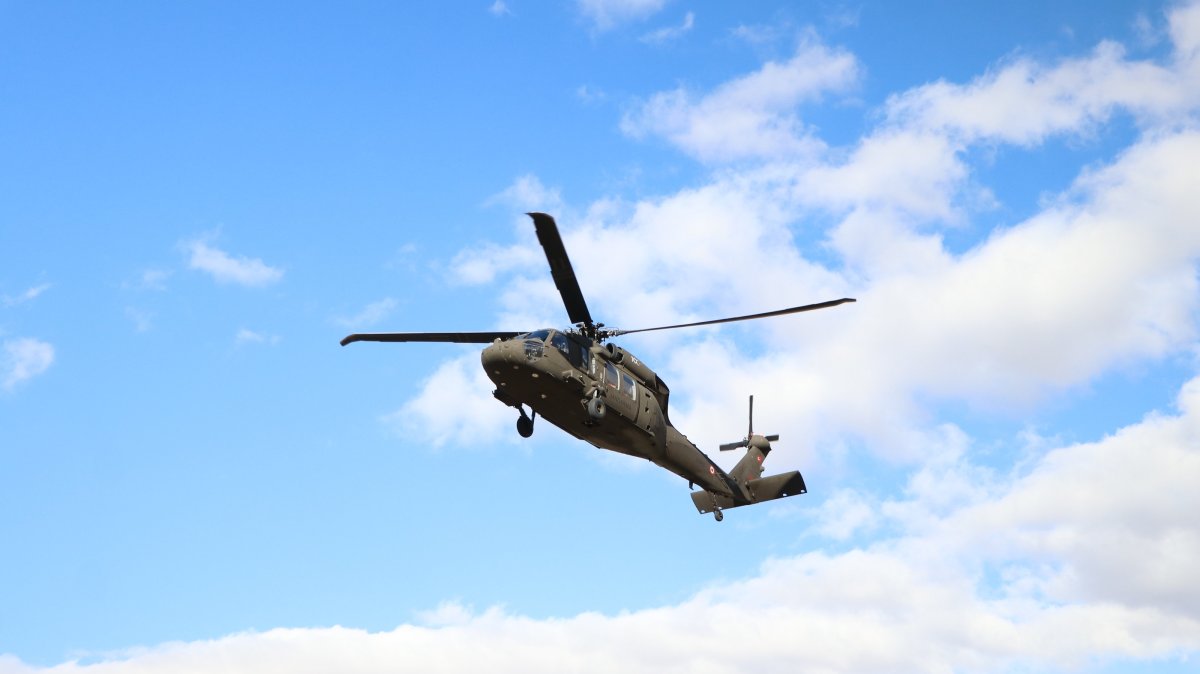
(493, 356)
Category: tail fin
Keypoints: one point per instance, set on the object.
(750, 467)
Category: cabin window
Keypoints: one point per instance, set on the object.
(627, 386)
(610, 376)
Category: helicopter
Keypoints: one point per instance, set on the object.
(602, 394)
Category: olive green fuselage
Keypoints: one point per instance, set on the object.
(556, 374)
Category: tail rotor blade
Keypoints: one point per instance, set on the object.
(750, 428)
(772, 438)
(732, 445)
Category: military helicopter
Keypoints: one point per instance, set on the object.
(602, 394)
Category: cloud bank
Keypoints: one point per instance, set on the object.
(1085, 558)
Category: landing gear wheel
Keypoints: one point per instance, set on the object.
(719, 515)
(596, 408)
(524, 425)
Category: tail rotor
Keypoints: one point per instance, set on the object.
(745, 442)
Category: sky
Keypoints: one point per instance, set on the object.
(1000, 438)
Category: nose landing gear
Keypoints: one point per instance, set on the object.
(525, 423)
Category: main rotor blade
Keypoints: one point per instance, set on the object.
(457, 337)
(560, 268)
(767, 314)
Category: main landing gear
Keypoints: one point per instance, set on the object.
(596, 408)
(525, 423)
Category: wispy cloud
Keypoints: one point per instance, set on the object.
(24, 358)
(590, 94)
(148, 279)
(754, 116)
(141, 319)
(226, 268)
(246, 336)
(27, 296)
(606, 14)
(529, 193)
(671, 32)
(499, 8)
(155, 279)
(370, 315)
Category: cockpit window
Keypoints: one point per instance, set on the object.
(574, 351)
(627, 386)
(580, 356)
(539, 335)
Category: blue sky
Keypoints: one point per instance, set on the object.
(1001, 438)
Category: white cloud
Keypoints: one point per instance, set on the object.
(844, 514)
(915, 174)
(912, 162)
(142, 320)
(149, 279)
(1025, 101)
(1184, 27)
(155, 279)
(499, 8)
(481, 265)
(750, 117)
(606, 14)
(671, 32)
(23, 359)
(454, 407)
(1104, 277)
(247, 336)
(225, 268)
(370, 315)
(528, 193)
(28, 296)
(589, 94)
(1085, 559)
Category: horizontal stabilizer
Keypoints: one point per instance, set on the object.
(777, 486)
(765, 489)
(706, 501)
